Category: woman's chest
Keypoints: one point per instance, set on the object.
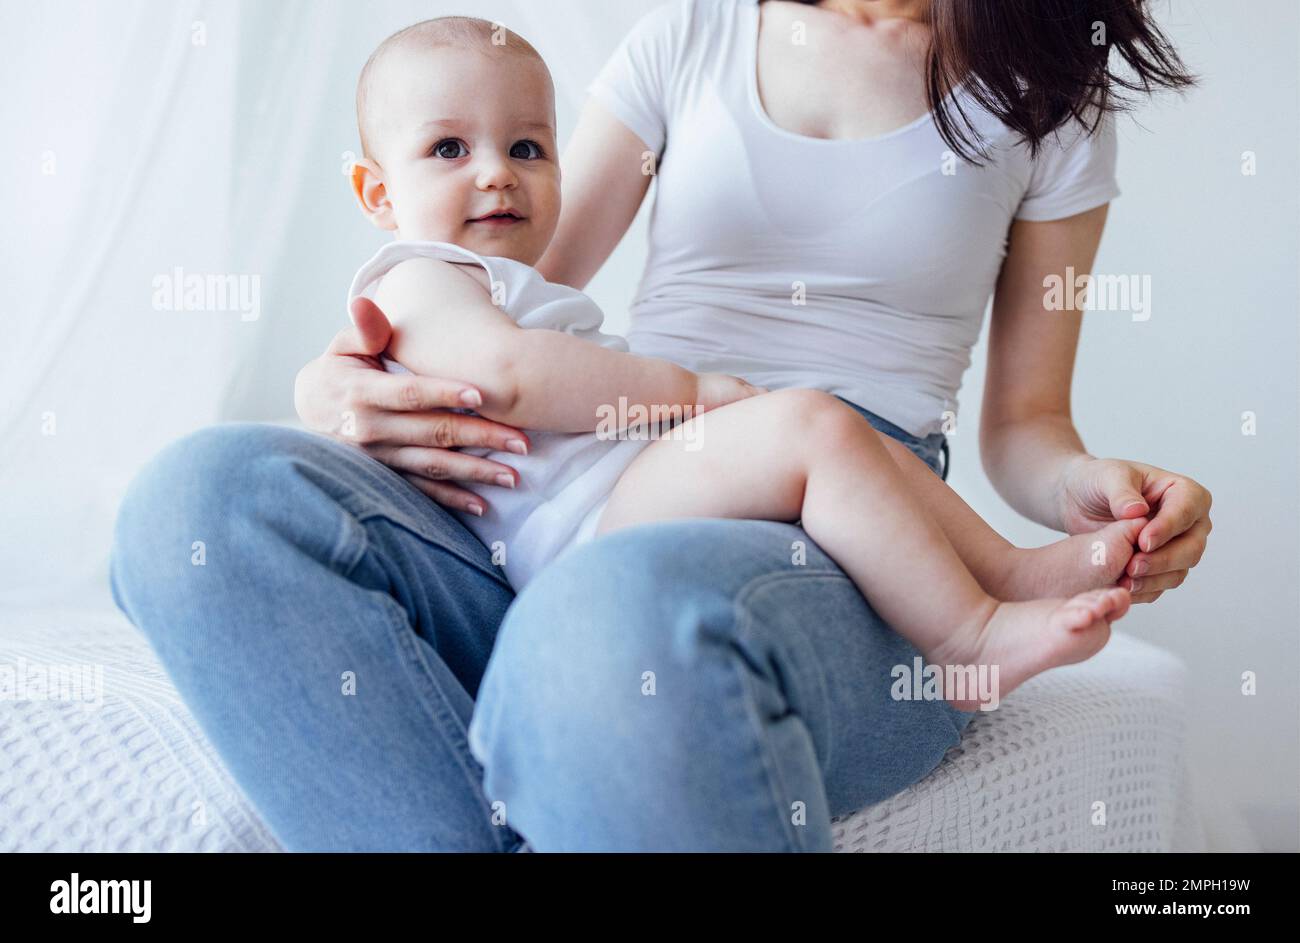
(823, 75)
(898, 216)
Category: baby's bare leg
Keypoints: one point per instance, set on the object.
(794, 454)
(1008, 572)
(798, 454)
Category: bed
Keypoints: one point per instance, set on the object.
(1086, 758)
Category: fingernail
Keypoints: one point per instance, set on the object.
(505, 480)
(476, 509)
(1151, 543)
(517, 445)
(1135, 506)
(1141, 567)
(471, 398)
(1137, 584)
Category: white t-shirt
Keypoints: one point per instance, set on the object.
(893, 259)
(566, 478)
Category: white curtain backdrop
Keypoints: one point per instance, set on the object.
(213, 137)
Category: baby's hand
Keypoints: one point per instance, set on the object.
(719, 389)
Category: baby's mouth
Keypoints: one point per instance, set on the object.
(498, 218)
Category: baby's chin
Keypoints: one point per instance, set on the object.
(514, 241)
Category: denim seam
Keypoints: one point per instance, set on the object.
(958, 730)
(775, 785)
(743, 621)
(769, 578)
(348, 550)
(362, 516)
(440, 712)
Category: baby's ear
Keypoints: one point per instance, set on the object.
(372, 195)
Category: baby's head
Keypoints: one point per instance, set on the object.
(457, 123)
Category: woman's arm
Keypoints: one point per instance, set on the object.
(1031, 451)
(1027, 436)
(604, 184)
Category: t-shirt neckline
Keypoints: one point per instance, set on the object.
(759, 112)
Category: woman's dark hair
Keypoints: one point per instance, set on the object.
(1038, 64)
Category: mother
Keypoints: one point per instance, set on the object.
(842, 185)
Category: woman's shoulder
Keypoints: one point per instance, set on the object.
(689, 24)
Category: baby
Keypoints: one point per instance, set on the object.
(457, 124)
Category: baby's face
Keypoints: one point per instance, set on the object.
(463, 136)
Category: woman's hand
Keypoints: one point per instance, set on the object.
(719, 389)
(1096, 491)
(402, 419)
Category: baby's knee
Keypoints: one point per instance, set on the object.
(814, 411)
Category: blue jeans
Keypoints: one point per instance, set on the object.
(371, 682)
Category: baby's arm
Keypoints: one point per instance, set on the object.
(445, 324)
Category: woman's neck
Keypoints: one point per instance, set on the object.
(873, 11)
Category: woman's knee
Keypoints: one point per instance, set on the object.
(629, 599)
(199, 498)
(600, 634)
(200, 478)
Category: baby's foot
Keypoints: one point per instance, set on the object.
(1022, 639)
(1073, 565)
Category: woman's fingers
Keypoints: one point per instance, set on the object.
(409, 392)
(1145, 597)
(1148, 585)
(1181, 553)
(445, 430)
(1181, 505)
(438, 464)
(448, 495)
(369, 334)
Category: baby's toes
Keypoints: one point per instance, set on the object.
(1119, 540)
(1078, 612)
(1117, 602)
(1108, 604)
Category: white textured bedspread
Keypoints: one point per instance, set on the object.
(120, 765)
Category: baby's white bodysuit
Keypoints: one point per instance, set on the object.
(566, 478)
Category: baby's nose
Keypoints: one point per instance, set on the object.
(495, 174)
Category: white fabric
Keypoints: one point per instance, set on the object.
(896, 259)
(566, 478)
(211, 136)
(101, 199)
(137, 773)
(1030, 775)
(134, 773)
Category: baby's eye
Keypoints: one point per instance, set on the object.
(450, 148)
(525, 150)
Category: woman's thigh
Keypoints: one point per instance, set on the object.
(327, 625)
(695, 685)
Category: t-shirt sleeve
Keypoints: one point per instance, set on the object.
(1074, 171)
(635, 85)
